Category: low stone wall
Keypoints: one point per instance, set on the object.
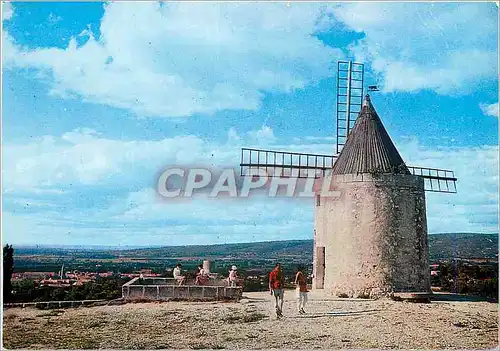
(164, 290)
(53, 304)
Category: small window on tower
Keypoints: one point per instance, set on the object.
(318, 200)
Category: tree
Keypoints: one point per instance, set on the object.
(24, 290)
(8, 269)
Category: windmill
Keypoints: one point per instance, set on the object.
(372, 241)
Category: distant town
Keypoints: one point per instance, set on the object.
(64, 279)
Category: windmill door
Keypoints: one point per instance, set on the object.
(320, 267)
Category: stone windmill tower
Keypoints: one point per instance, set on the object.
(372, 240)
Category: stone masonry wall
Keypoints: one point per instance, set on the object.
(133, 290)
(375, 236)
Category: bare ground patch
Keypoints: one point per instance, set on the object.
(251, 324)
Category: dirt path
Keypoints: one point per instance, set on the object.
(250, 324)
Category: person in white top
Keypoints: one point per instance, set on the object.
(233, 276)
(177, 274)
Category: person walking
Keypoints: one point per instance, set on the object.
(301, 283)
(276, 285)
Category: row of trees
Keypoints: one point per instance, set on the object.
(103, 288)
(27, 290)
(8, 269)
(471, 279)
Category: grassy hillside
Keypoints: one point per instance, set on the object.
(463, 245)
(448, 245)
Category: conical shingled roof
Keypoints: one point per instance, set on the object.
(368, 148)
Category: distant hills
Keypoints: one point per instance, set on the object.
(441, 246)
(463, 245)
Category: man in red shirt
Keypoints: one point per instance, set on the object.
(276, 284)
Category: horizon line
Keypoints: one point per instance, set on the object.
(125, 247)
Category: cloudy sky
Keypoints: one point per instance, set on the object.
(99, 98)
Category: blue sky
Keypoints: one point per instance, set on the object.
(97, 99)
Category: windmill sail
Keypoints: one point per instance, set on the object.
(302, 165)
(350, 79)
(435, 179)
(285, 164)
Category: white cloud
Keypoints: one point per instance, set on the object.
(84, 156)
(139, 219)
(264, 135)
(146, 205)
(7, 11)
(316, 138)
(415, 46)
(54, 19)
(27, 230)
(489, 109)
(205, 57)
(189, 58)
(232, 135)
(475, 206)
